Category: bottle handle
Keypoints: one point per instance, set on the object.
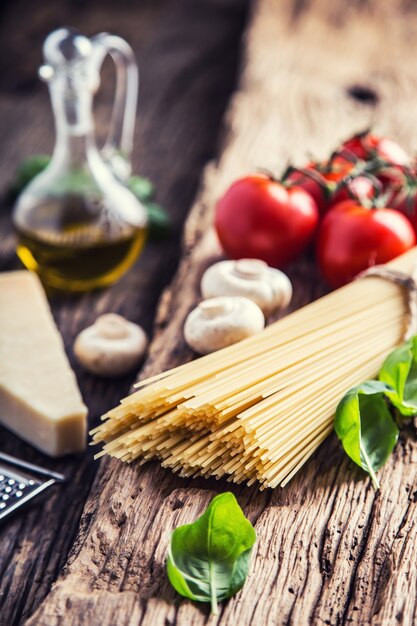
(117, 149)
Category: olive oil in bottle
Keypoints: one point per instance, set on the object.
(81, 256)
(78, 224)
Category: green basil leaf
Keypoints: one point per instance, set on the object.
(365, 426)
(208, 560)
(159, 222)
(141, 187)
(400, 371)
(27, 170)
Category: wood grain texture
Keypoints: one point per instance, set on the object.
(329, 550)
(188, 53)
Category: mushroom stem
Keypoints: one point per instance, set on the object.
(112, 326)
(214, 307)
(251, 269)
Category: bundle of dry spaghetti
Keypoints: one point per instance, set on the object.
(256, 411)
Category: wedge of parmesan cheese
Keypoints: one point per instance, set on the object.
(39, 396)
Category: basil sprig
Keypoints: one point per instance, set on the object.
(365, 427)
(400, 372)
(208, 560)
(27, 170)
(366, 417)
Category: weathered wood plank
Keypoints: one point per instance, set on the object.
(330, 551)
(188, 61)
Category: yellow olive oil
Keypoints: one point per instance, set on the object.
(81, 258)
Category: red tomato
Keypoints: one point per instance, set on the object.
(399, 185)
(320, 181)
(260, 218)
(357, 188)
(337, 168)
(311, 180)
(404, 199)
(353, 238)
(367, 146)
(392, 178)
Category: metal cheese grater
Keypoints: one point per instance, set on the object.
(21, 482)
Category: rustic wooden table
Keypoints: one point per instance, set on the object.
(330, 551)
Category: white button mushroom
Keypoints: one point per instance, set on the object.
(220, 322)
(268, 287)
(112, 346)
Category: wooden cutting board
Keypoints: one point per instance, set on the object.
(329, 551)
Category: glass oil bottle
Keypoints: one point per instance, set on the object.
(79, 226)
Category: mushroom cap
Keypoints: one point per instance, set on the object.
(112, 346)
(268, 287)
(220, 322)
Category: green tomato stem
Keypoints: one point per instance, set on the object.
(368, 464)
(213, 595)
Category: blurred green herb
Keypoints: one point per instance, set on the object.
(27, 170)
(158, 220)
(208, 560)
(142, 188)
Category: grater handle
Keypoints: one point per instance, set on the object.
(31, 467)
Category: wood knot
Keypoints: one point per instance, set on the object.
(177, 504)
(363, 94)
(117, 514)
